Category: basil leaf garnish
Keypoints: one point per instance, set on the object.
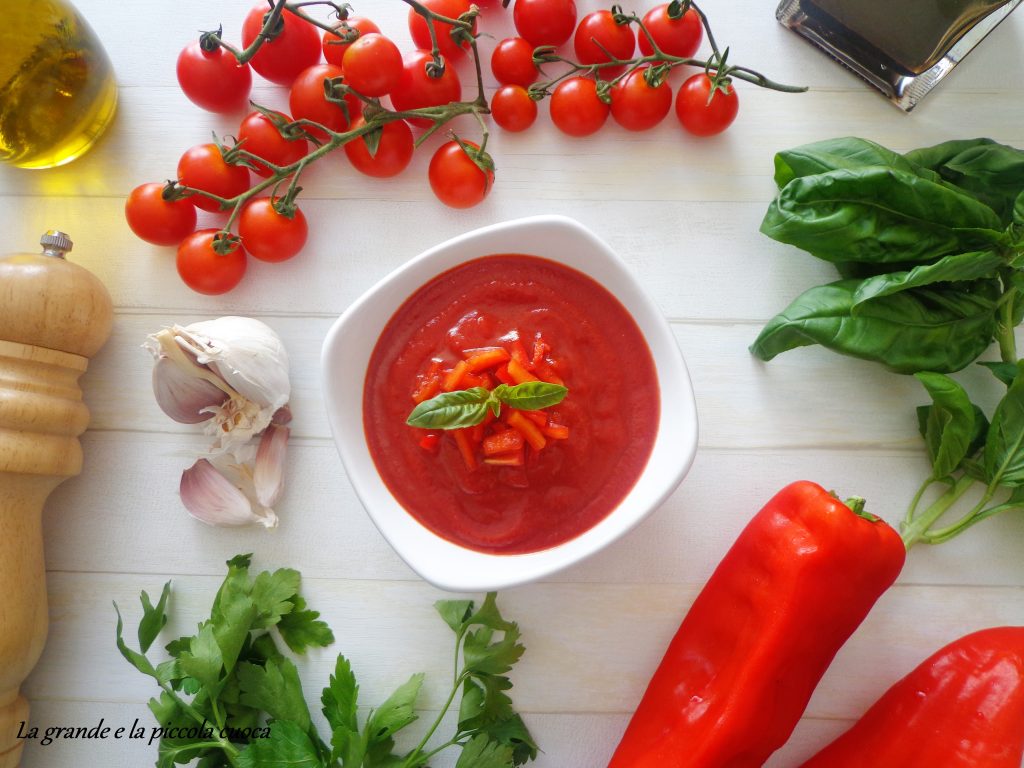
(451, 410)
(468, 407)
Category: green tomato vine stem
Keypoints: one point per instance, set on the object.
(714, 63)
(375, 117)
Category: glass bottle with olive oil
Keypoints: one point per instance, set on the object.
(57, 88)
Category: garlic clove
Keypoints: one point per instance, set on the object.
(268, 473)
(213, 499)
(182, 396)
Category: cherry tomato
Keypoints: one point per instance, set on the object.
(206, 271)
(636, 106)
(457, 181)
(213, 80)
(293, 49)
(307, 101)
(676, 37)
(203, 167)
(335, 46)
(393, 153)
(700, 117)
(575, 107)
(545, 22)
(372, 65)
(420, 32)
(512, 62)
(158, 221)
(417, 89)
(513, 109)
(267, 234)
(263, 139)
(598, 31)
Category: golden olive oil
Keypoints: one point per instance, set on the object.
(57, 87)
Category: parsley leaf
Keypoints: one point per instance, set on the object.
(301, 628)
(288, 746)
(275, 689)
(153, 619)
(482, 753)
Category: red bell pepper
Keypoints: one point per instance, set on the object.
(961, 708)
(738, 674)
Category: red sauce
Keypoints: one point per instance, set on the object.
(612, 407)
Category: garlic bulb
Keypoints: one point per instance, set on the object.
(240, 356)
(231, 373)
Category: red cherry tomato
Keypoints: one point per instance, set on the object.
(636, 106)
(417, 89)
(420, 32)
(335, 46)
(293, 49)
(575, 107)
(307, 101)
(676, 37)
(393, 153)
(213, 80)
(513, 109)
(158, 221)
(372, 65)
(545, 22)
(512, 62)
(206, 271)
(203, 167)
(261, 137)
(457, 181)
(267, 234)
(701, 117)
(598, 31)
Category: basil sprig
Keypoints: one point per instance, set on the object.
(468, 407)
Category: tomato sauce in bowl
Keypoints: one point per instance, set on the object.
(611, 411)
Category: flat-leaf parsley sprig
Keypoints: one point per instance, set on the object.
(230, 697)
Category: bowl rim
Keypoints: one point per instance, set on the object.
(441, 562)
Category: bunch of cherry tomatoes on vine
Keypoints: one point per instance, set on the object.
(339, 71)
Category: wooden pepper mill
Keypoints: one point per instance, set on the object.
(54, 315)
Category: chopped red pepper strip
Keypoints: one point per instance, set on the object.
(430, 442)
(466, 447)
(537, 417)
(545, 372)
(513, 459)
(531, 432)
(485, 359)
(519, 353)
(556, 431)
(453, 379)
(503, 442)
(519, 373)
(539, 350)
(501, 374)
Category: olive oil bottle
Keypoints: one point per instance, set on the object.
(57, 88)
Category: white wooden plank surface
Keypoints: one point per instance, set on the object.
(682, 212)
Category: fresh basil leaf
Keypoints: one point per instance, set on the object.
(153, 619)
(288, 746)
(958, 267)
(1005, 372)
(1004, 448)
(950, 424)
(451, 410)
(877, 214)
(303, 628)
(397, 711)
(847, 152)
(992, 173)
(274, 689)
(533, 395)
(481, 752)
(914, 330)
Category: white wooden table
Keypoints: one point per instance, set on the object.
(683, 212)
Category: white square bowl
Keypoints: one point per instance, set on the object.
(346, 354)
